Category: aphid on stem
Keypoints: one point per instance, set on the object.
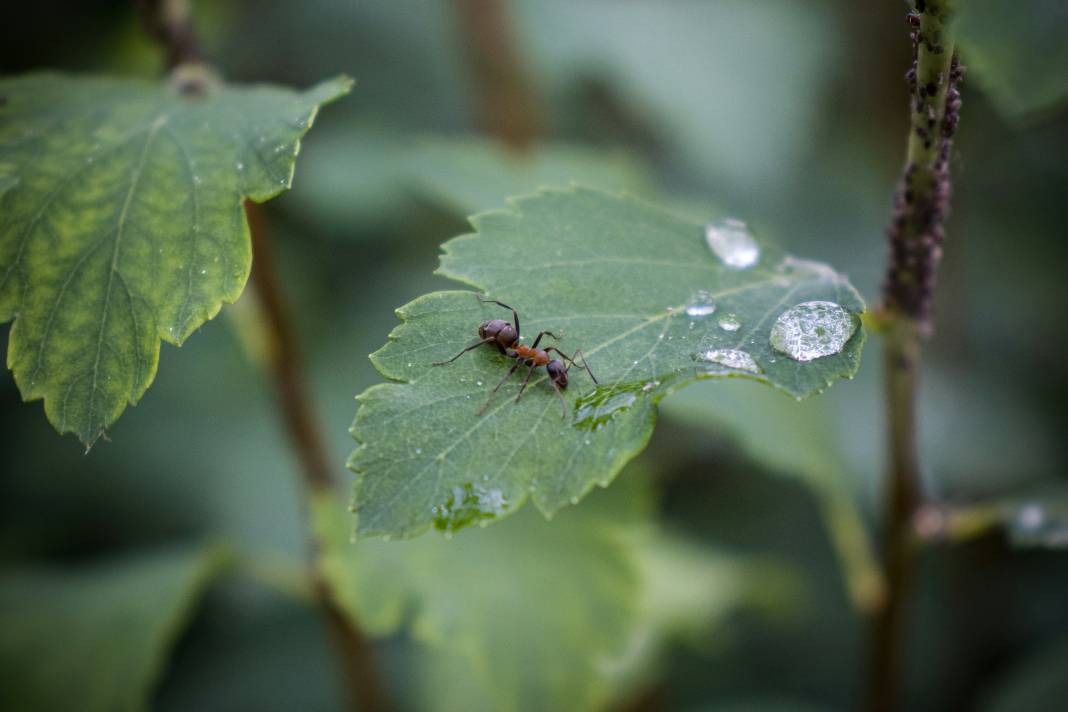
(505, 337)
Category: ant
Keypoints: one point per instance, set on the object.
(505, 337)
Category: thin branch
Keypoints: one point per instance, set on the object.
(916, 235)
(508, 103)
(364, 685)
(170, 23)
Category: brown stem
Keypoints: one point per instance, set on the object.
(509, 106)
(363, 683)
(916, 234)
(902, 497)
(170, 23)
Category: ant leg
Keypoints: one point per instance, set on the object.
(497, 388)
(578, 352)
(469, 348)
(515, 314)
(537, 340)
(585, 365)
(525, 382)
(563, 403)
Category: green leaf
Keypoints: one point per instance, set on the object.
(122, 224)
(470, 175)
(530, 611)
(633, 288)
(96, 639)
(1016, 52)
(461, 175)
(535, 615)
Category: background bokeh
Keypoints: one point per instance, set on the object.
(789, 115)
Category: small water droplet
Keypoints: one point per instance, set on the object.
(478, 383)
(419, 451)
(650, 386)
(240, 166)
(198, 180)
(409, 364)
(731, 358)
(729, 322)
(812, 330)
(597, 408)
(1030, 516)
(587, 441)
(700, 304)
(574, 500)
(469, 504)
(203, 271)
(731, 241)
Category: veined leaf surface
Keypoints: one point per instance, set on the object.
(651, 306)
(121, 224)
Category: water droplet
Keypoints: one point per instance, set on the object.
(812, 330)
(419, 451)
(700, 304)
(729, 322)
(478, 383)
(574, 500)
(1030, 516)
(811, 268)
(203, 271)
(469, 504)
(198, 180)
(240, 166)
(732, 243)
(597, 408)
(587, 441)
(650, 386)
(409, 364)
(731, 358)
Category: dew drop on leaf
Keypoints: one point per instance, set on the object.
(701, 304)
(812, 330)
(729, 322)
(732, 243)
(731, 358)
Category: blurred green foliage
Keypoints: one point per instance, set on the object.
(789, 116)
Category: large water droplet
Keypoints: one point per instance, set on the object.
(731, 358)
(812, 330)
(732, 243)
(700, 304)
(469, 504)
(729, 322)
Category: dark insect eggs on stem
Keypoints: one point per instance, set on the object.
(505, 336)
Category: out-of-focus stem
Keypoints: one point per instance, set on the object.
(508, 103)
(355, 654)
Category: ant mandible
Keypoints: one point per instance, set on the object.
(505, 337)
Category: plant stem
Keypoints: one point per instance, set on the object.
(509, 106)
(902, 497)
(916, 235)
(170, 23)
(363, 682)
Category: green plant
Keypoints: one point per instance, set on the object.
(130, 215)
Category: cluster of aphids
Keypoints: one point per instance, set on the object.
(505, 337)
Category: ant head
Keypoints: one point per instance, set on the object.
(499, 330)
(557, 372)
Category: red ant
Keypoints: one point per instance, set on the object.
(505, 337)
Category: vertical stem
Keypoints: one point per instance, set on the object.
(916, 234)
(509, 106)
(363, 683)
(170, 23)
(902, 497)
